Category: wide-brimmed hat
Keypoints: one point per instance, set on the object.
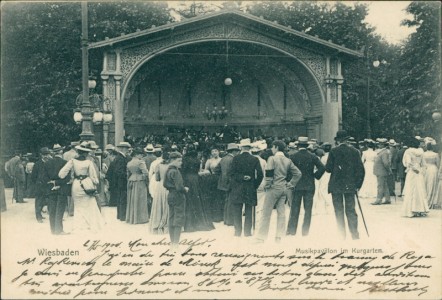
(292, 145)
(341, 135)
(303, 141)
(109, 147)
(232, 146)
(57, 148)
(245, 143)
(149, 148)
(392, 142)
(124, 145)
(75, 143)
(429, 140)
(45, 151)
(84, 146)
(92, 145)
(382, 141)
(255, 149)
(352, 140)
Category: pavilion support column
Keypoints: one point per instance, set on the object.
(339, 82)
(105, 125)
(330, 121)
(118, 112)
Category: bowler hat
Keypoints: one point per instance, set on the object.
(45, 151)
(341, 135)
(138, 150)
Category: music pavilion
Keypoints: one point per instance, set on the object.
(223, 68)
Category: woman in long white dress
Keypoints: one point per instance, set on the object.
(323, 200)
(415, 194)
(86, 212)
(159, 215)
(369, 186)
(432, 162)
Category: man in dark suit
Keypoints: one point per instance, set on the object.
(401, 168)
(305, 189)
(56, 190)
(347, 176)
(382, 170)
(245, 178)
(10, 168)
(117, 176)
(223, 168)
(392, 147)
(39, 183)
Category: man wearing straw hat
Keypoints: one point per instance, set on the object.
(382, 170)
(246, 176)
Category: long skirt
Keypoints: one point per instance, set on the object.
(431, 183)
(196, 217)
(415, 195)
(214, 197)
(136, 212)
(160, 210)
(86, 212)
(369, 187)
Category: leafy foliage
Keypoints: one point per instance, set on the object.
(41, 62)
(41, 52)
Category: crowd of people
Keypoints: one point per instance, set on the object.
(191, 185)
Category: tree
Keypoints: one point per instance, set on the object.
(41, 57)
(420, 66)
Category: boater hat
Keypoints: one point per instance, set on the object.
(245, 143)
(109, 147)
(57, 148)
(232, 146)
(303, 141)
(149, 149)
(124, 145)
(83, 147)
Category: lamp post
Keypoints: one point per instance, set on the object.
(436, 116)
(86, 108)
(100, 107)
(376, 63)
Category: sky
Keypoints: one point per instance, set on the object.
(386, 16)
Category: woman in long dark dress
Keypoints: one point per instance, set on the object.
(196, 208)
(215, 197)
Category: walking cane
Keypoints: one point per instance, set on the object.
(254, 218)
(362, 214)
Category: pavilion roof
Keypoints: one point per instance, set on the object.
(301, 37)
